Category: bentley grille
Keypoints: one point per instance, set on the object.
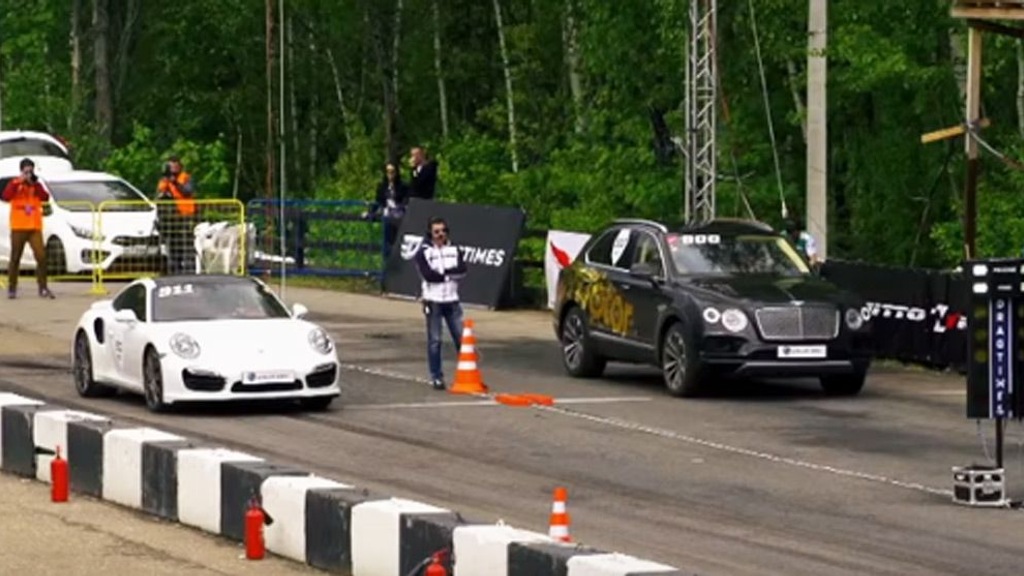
(798, 323)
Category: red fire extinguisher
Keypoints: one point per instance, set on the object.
(255, 518)
(436, 568)
(58, 478)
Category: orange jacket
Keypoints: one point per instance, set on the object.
(26, 200)
(180, 188)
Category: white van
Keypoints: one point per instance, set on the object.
(48, 152)
(128, 230)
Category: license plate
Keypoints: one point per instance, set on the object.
(803, 352)
(142, 250)
(268, 376)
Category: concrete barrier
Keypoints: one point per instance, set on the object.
(319, 521)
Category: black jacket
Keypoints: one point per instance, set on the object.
(384, 193)
(423, 182)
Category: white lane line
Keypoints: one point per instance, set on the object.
(385, 373)
(420, 405)
(670, 435)
(606, 400)
(488, 402)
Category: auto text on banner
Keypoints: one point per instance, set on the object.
(488, 237)
(559, 252)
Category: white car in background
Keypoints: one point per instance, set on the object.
(79, 240)
(49, 153)
(203, 338)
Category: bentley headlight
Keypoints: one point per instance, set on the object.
(320, 341)
(711, 315)
(854, 319)
(734, 320)
(185, 346)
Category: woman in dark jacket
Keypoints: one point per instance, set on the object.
(389, 205)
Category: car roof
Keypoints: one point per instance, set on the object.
(203, 279)
(80, 176)
(723, 226)
(727, 227)
(6, 135)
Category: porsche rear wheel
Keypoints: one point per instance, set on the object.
(679, 364)
(153, 381)
(578, 354)
(82, 368)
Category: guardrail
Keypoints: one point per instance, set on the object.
(135, 238)
(321, 238)
(127, 239)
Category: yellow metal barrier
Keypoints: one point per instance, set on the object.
(137, 238)
(69, 245)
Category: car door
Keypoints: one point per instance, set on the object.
(647, 295)
(610, 310)
(127, 339)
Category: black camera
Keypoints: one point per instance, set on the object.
(167, 170)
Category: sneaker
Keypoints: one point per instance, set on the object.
(12, 294)
(437, 384)
(45, 293)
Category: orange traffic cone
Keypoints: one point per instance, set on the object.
(467, 374)
(559, 523)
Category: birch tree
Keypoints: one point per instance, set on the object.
(104, 105)
(442, 97)
(509, 94)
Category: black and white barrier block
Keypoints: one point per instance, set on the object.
(385, 539)
(320, 521)
(17, 445)
(134, 475)
(200, 485)
(51, 431)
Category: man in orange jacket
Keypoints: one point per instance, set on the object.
(26, 196)
(177, 221)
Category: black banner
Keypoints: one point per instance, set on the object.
(488, 237)
(996, 310)
(919, 316)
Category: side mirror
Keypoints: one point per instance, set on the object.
(125, 315)
(643, 270)
(299, 311)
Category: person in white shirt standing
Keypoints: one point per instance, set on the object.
(441, 266)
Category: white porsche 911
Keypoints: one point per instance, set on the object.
(203, 338)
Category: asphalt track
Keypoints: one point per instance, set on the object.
(761, 478)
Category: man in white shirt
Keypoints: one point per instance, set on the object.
(441, 266)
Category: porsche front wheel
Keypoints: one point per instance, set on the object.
(680, 366)
(85, 383)
(153, 381)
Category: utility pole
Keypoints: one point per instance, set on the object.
(701, 107)
(817, 125)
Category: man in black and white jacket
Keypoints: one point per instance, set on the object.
(441, 266)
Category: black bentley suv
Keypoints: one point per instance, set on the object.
(724, 297)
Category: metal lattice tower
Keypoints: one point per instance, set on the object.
(701, 97)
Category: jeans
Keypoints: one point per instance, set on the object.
(451, 313)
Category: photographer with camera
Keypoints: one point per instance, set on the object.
(177, 211)
(26, 196)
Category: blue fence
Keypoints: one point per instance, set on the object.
(321, 238)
